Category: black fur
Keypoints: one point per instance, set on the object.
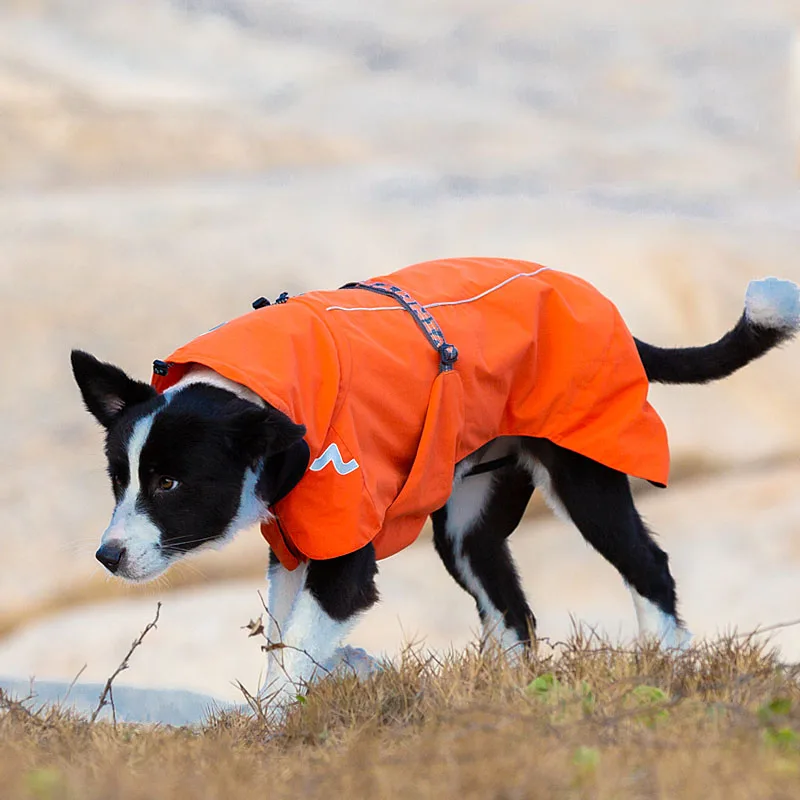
(205, 438)
(344, 586)
(117, 439)
(598, 499)
(599, 502)
(486, 548)
(737, 348)
(283, 472)
(106, 390)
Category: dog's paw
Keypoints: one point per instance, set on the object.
(773, 303)
(676, 638)
(352, 661)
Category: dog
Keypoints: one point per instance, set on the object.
(339, 421)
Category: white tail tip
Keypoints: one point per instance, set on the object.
(773, 303)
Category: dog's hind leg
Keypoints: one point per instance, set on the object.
(598, 500)
(470, 534)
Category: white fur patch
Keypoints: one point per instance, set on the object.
(129, 526)
(211, 378)
(310, 639)
(544, 484)
(252, 510)
(352, 661)
(284, 588)
(773, 303)
(465, 508)
(654, 623)
(467, 504)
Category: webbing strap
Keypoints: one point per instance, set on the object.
(490, 466)
(448, 354)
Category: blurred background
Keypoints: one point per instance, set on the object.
(164, 163)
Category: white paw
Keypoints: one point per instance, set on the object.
(655, 624)
(773, 303)
(352, 660)
(676, 638)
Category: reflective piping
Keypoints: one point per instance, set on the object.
(447, 302)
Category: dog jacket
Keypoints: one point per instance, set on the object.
(398, 379)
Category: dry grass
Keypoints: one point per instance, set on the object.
(583, 720)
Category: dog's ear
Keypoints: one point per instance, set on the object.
(262, 432)
(282, 472)
(107, 391)
(269, 435)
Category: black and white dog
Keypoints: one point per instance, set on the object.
(193, 466)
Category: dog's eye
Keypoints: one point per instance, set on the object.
(166, 484)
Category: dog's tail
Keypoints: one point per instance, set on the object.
(771, 316)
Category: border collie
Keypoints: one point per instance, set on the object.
(192, 466)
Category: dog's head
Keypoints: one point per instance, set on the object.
(188, 468)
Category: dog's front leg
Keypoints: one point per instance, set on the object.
(329, 599)
(284, 587)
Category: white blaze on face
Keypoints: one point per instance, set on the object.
(130, 526)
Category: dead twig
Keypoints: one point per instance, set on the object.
(256, 628)
(767, 628)
(12, 704)
(106, 696)
(72, 685)
(271, 616)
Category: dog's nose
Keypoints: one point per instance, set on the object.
(110, 555)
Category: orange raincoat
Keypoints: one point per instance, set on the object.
(540, 353)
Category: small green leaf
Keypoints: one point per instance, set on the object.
(646, 696)
(301, 698)
(649, 694)
(781, 705)
(543, 685)
(777, 707)
(782, 738)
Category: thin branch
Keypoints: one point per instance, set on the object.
(252, 701)
(72, 685)
(271, 615)
(113, 706)
(270, 646)
(775, 627)
(103, 701)
(8, 703)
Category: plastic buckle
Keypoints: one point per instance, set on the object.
(160, 367)
(448, 355)
(260, 302)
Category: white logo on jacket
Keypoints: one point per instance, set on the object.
(331, 455)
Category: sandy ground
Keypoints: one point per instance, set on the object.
(162, 164)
